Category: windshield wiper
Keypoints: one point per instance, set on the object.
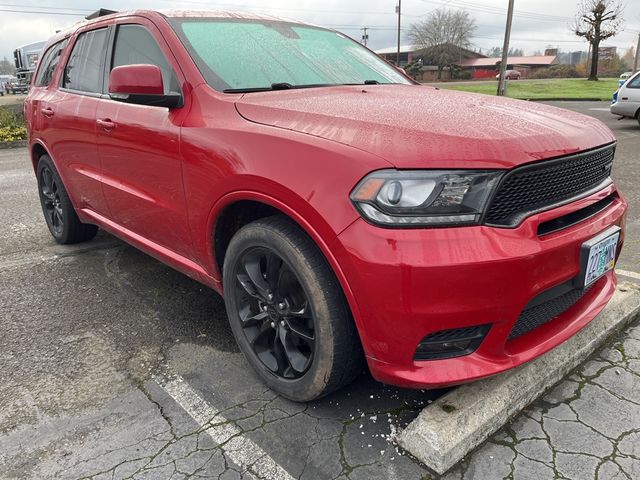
(289, 86)
(274, 86)
(283, 86)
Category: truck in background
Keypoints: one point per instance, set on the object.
(26, 60)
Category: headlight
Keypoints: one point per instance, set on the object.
(424, 198)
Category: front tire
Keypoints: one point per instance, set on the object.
(61, 218)
(287, 311)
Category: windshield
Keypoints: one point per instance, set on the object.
(247, 55)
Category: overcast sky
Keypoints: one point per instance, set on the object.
(537, 23)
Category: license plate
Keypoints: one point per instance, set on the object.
(601, 257)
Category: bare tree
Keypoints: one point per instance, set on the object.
(6, 67)
(598, 20)
(441, 36)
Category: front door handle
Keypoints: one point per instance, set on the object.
(107, 125)
(47, 112)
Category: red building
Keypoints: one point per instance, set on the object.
(487, 67)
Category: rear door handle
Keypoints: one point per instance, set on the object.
(47, 112)
(106, 124)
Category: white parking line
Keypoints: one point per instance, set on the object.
(240, 450)
(627, 273)
(600, 109)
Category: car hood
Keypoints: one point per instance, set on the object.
(414, 126)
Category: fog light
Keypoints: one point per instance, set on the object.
(451, 343)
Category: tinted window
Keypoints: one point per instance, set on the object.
(135, 45)
(84, 68)
(49, 63)
(237, 54)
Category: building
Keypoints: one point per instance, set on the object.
(408, 54)
(428, 71)
(487, 67)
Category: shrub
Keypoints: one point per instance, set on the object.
(556, 71)
(413, 69)
(464, 75)
(11, 128)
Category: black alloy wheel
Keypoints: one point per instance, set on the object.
(275, 312)
(287, 311)
(61, 217)
(51, 203)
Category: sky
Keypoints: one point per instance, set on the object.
(538, 24)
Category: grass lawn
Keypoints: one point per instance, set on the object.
(566, 88)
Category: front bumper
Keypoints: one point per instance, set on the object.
(410, 283)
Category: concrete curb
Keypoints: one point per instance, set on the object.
(459, 421)
(567, 99)
(16, 144)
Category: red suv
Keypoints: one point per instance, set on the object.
(346, 211)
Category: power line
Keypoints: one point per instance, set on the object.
(60, 11)
(212, 4)
(462, 5)
(43, 13)
(291, 9)
(45, 7)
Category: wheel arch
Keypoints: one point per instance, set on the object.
(240, 208)
(37, 150)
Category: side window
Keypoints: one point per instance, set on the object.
(135, 45)
(49, 63)
(634, 83)
(84, 68)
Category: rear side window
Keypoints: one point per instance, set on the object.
(135, 45)
(84, 68)
(49, 63)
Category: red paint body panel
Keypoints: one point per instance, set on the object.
(409, 283)
(418, 126)
(139, 79)
(160, 179)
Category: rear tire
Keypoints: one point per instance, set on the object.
(287, 311)
(61, 217)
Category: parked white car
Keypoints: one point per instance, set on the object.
(626, 100)
(626, 75)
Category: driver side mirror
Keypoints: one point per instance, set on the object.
(141, 85)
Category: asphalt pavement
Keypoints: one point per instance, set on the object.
(114, 366)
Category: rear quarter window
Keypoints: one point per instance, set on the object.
(49, 63)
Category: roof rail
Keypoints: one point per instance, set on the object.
(100, 13)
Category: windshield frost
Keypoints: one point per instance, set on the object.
(234, 54)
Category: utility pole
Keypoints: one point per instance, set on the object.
(505, 51)
(399, 12)
(365, 35)
(636, 62)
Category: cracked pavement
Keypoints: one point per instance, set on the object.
(91, 337)
(587, 427)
